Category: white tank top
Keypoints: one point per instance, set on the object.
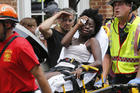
(78, 52)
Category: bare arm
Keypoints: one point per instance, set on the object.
(96, 52)
(44, 27)
(43, 83)
(106, 64)
(68, 37)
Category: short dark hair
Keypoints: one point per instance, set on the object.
(93, 14)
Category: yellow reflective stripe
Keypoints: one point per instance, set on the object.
(107, 30)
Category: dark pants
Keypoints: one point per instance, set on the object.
(123, 79)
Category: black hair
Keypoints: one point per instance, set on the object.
(93, 14)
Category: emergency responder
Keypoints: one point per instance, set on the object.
(19, 66)
(124, 50)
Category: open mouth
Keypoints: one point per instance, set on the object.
(116, 12)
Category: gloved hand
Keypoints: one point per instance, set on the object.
(136, 81)
(100, 82)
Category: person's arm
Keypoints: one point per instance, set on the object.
(68, 37)
(106, 65)
(44, 27)
(39, 75)
(96, 52)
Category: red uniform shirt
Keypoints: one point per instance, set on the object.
(15, 65)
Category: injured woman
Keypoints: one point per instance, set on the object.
(77, 52)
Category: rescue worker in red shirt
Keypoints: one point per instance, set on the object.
(19, 66)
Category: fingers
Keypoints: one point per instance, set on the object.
(64, 14)
(78, 72)
(82, 20)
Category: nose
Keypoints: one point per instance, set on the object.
(116, 5)
(86, 25)
(68, 21)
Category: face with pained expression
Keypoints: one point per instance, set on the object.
(66, 22)
(87, 29)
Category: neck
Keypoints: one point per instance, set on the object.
(59, 29)
(82, 39)
(9, 33)
(124, 20)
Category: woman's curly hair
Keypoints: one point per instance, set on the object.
(93, 14)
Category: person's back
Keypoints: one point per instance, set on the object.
(14, 56)
(65, 19)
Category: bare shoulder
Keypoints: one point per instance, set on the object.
(93, 40)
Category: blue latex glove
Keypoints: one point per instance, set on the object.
(136, 81)
(100, 82)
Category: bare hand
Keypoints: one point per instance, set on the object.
(82, 20)
(62, 14)
(78, 72)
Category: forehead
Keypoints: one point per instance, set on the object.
(90, 20)
(67, 17)
(118, 2)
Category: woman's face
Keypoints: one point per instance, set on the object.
(88, 28)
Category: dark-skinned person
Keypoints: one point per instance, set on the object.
(78, 51)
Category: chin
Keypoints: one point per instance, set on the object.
(118, 16)
(67, 29)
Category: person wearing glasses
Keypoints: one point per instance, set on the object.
(65, 20)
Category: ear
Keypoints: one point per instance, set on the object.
(8, 25)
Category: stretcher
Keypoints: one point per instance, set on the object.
(117, 88)
(63, 84)
(84, 87)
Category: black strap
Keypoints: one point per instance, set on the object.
(76, 88)
(8, 44)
